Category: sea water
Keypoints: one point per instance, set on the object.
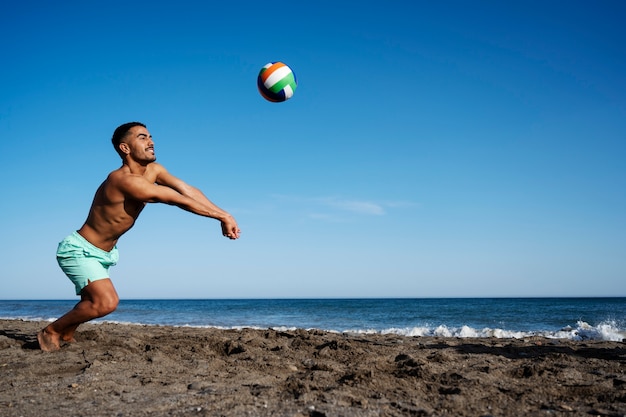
(568, 318)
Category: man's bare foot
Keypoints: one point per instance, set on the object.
(47, 341)
(68, 339)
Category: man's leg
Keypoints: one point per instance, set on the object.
(97, 299)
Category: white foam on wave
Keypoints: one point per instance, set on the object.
(608, 331)
(462, 332)
(28, 318)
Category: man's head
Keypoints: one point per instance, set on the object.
(133, 139)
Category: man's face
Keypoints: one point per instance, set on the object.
(140, 144)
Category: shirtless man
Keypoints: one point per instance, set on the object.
(85, 255)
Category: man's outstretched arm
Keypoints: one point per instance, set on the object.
(229, 225)
(175, 192)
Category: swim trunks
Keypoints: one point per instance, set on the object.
(83, 262)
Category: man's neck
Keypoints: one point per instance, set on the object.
(135, 167)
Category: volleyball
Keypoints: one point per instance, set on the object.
(276, 82)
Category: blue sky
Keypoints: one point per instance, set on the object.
(432, 149)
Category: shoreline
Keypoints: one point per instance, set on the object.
(585, 319)
(151, 370)
(564, 334)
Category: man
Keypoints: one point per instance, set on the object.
(85, 255)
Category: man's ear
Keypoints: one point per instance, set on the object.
(124, 148)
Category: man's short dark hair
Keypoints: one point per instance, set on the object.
(121, 132)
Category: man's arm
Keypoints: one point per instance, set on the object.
(229, 225)
(166, 179)
(175, 192)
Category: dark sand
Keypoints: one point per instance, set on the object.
(123, 370)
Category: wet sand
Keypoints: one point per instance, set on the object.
(130, 370)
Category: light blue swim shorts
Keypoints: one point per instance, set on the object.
(83, 262)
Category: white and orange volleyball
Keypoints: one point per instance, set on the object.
(276, 82)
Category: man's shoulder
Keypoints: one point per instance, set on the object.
(155, 171)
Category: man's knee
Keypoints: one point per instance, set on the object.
(106, 305)
(102, 295)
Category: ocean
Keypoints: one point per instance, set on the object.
(562, 318)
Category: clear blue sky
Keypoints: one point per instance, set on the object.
(432, 149)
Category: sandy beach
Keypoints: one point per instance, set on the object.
(131, 370)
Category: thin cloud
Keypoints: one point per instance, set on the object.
(354, 206)
(330, 207)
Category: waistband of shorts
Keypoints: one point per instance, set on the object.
(90, 245)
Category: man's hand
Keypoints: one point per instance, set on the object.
(230, 228)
